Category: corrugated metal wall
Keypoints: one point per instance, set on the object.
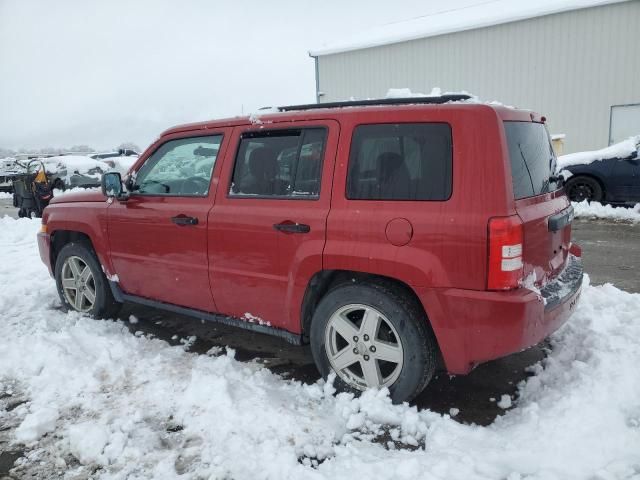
(571, 67)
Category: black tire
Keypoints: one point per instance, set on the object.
(104, 306)
(420, 349)
(580, 188)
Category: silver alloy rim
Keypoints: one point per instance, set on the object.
(78, 284)
(363, 347)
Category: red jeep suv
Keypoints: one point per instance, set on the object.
(392, 235)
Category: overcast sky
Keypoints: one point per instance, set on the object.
(105, 72)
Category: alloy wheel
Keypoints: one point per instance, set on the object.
(363, 347)
(78, 284)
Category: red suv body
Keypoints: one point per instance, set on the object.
(449, 213)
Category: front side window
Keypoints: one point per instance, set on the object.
(279, 163)
(180, 167)
(400, 162)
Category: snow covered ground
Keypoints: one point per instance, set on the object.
(6, 195)
(103, 403)
(607, 212)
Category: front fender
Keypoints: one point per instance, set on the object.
(89, 219)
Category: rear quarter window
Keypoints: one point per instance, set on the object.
(400, 162)
(533, 161)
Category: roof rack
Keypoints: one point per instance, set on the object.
(379, 101)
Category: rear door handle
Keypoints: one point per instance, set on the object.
(184, 220)
(292, 227)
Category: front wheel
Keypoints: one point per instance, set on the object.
(373, 336)
(81, 283)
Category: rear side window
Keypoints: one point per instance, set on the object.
(533, 161)
(279, 163)
(400, 162)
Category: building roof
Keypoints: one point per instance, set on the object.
(484, 14)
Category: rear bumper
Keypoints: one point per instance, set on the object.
(44, 246)
(477, 326)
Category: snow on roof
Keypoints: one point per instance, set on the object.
(622, 150)
(485, 14)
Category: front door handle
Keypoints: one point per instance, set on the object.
(292, 227)
(184, 220)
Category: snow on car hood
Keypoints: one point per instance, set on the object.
(623, 149)
(77, 195)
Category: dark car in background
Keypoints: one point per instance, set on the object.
(611, 175)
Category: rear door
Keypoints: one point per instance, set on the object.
(539, 201)
(158, 236)
(267, 228)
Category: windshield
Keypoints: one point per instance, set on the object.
(533, 161)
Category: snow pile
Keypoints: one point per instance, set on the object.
(5, 195)
(597, 210)
(437, 92)
(103, 403)
(624, 149)
(407, 93)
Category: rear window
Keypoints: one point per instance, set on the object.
(400, 162)
(533, 161)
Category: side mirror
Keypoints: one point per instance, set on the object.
(112, 185)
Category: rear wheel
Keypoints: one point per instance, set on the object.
(580, 188)
(373, 336)
(81, 283)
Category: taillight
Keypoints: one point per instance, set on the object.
(506, 236)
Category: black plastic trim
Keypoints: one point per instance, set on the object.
(379, 101)
(120, 296)
(562, 219)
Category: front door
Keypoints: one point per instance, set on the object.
(158, 236)
(267, 228)
(626, 179)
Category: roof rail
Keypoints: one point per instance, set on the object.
(454, 97)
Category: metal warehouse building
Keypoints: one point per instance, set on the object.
(575, 61)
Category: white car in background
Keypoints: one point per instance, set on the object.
(122, 160)
(8, 170)
(70, 171)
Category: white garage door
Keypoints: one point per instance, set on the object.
(625, 122)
